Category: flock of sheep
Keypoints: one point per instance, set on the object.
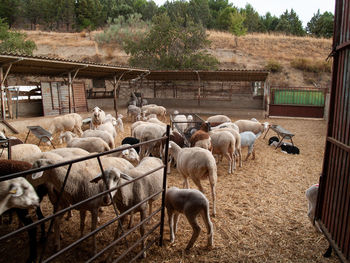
(217, 137)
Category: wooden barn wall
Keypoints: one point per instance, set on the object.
(333, 204)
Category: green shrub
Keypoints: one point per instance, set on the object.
(308, 65)
(273, 66)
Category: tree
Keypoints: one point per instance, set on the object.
(231, 20)
(33, 11)
(11, 41)
(321, 25)
(269, 22)
(290, 24)
(170, 45)
(215, 7)
(199, 11)
(252, 19)
(88, 14)
(9, 10)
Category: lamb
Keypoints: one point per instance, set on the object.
(21, 151)
(106, 136)
(248, 139)
(78, 188)
(218, 119)
(190, 202)
(90, 144)
(134, 193)
(253, 126)
(196, 163)
(223, 144)
(97, 117)
(108, 127)
(68, 122)
(129, 154)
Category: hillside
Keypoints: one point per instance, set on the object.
(246, 52)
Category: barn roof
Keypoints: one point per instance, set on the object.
(46, 66)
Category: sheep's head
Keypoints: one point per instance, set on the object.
(22, 194)
(97, 112)
(205, 126)
(131, 155)
(113, 179)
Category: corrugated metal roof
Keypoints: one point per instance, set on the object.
(218, 75)
(46, 66)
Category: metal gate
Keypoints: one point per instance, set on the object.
(297, 102)
(128, 252)
(333, 203)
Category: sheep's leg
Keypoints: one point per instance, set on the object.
(240, 157)
(142, 230)
(69, 214)
(228, 157)
(185, 184)
(176, 220)
(171, 225)
(42, 226)
(233, 155)
(131, 221)
(57, 232)
(208, 224)
(198, 183)
(82, 221)
(212, 182)
(196, 229)
(94, 215)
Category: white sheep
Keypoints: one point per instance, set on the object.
(196, 163)
(180, 122)
(78, 188)
(90, 144)
(134, 193)
(106, 136)
(218, 119)
(129, 154)
(116, 122)
(134, 112)
(192, 203)
(311, 195)
(97, 117)
(159, 110)
(226, 125)
(223, 144)
(17, 192)
(108, 127)
(67, 122)
(248, 139)
(21, 151)
(253, 126)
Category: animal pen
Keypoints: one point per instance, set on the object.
(130, 253)
(333, 203)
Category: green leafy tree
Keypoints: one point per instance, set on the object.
(269, 22)
(146, 8)
(88, 14)
(9, 10)
(290, 24)
(33, 11)
(252, 20)
(215, 7)
(231, 20)
(199, 11)
(321, 25)
(12, 41)
(169, 45)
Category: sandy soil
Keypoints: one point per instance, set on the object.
(261, 210)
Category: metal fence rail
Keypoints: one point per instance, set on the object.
(160, 225)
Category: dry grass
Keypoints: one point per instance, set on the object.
(261, 208)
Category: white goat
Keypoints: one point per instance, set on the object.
(106, 136)
(90, 144)
(248, 139)
(192, 203)
(17, 192)
(196, 163)
(97, 117)
(68, 122)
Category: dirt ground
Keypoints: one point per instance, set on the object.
(261, 209)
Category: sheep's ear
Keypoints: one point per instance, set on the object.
(37, 175)
(15, 191)
(120, 116)
(126, 177)
(96, 179)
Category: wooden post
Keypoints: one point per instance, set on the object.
(70, 91)
(199, 88)
(3, 113)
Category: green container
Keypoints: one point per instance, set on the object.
(298, 97)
